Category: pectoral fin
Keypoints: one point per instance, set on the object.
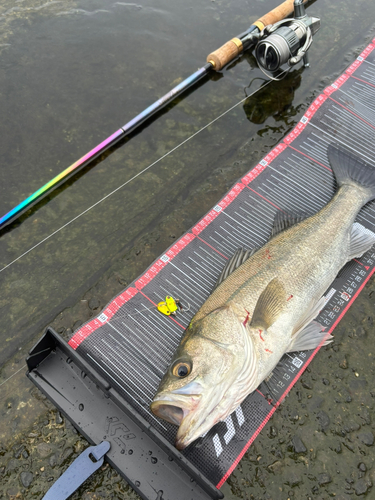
(269, 306)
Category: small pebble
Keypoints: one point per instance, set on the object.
(76, 325)
(324, 478)
(367, 438)
(361, 486)
(343, 364)
(94, 304)
(306, 384)
(324, 420)
(59, 419)
(298, 445)
(52, 460)
(44, 450)
(26, 478)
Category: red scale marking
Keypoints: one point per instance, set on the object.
(363, 81)
(352, 112)
(224, 203)
(275, 152)
(253, 174)
(353, 67)
(295, 133)
(270, 202)
(308, 115)
(109, 311)
(205, 222)
(310, 158)
(356, 64)
(336, 85)
(150, 274)
(232, 195)
(259, 168)
(213, 248)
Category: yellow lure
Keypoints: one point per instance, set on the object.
(168, 307)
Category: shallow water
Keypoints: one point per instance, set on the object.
(71, 74)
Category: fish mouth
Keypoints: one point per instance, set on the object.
(168, 411)
(191, 412)
(178, 407)
(174, 406)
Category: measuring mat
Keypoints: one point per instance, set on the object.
(130, 344)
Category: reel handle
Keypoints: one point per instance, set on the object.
(230, 50)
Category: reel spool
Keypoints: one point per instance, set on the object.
(283, 44)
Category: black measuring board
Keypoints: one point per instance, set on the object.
(130, 344)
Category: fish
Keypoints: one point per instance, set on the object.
(264, 306)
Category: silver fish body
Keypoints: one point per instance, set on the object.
(264, 309)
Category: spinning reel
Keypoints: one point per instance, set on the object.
(282, 45)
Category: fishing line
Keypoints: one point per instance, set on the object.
(24, 366)
(134, 177)
(15, 373)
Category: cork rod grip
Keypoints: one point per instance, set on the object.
(277, 14)
(222, 56)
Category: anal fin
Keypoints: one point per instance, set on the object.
(361, 240)
(309, 337)
(308, 334)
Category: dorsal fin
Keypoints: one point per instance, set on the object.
(238, 258)
(283, 221)
(269, 306)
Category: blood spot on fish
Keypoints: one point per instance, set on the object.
(267, 350)
(260, 335)
(290, 297)
(247, 318)
(267, 254)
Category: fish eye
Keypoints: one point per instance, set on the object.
(181, 369)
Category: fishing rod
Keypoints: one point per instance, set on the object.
(278, 42)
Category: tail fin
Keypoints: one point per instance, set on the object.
(349, 169)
